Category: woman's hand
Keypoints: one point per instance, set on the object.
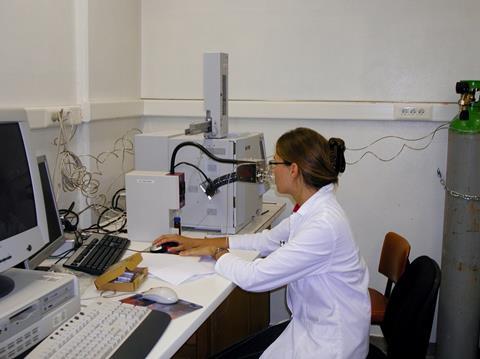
(199, 251)
(183, 243)
(188, 246)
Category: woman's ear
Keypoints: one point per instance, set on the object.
(294, 170)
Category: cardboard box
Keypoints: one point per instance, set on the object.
(107, 281)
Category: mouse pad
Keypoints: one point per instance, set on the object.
(174, 310)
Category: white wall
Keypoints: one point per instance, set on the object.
(37, 54)
(114, 49)
(311, 50)
(113, 86)
(77, 55)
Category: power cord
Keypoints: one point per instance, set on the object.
(74, 175)
(431, 135)
(116, 197)
(69, 218)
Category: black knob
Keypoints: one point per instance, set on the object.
(461, 87)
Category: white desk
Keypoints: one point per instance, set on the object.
(208, 292)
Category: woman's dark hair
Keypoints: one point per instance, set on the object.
(319, 160)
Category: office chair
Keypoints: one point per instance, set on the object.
(393, 261)
(409, 315)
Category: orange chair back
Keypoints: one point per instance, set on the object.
(394, 257)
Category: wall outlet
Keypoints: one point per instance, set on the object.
(43, 117)
(71, 114)
(412, 111)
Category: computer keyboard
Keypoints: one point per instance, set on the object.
(97, 254)
(107, 329)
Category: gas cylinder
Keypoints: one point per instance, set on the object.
(459, 304)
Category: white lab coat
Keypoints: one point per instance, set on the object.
(312, 252)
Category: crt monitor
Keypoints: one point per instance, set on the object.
(54, 226)
(23, 228)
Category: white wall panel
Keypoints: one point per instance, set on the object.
(114, 49)
(370, 50)
(37, 53)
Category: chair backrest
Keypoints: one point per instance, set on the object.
(393, 259)
(409, 315)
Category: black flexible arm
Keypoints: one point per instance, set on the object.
(225, 179)
(210, 187)
(204, 150)
(192, 165)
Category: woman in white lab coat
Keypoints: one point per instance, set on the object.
(312, 252)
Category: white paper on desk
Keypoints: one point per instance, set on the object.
(176, 269)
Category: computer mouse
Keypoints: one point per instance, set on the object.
(163, 295)
(162, 248)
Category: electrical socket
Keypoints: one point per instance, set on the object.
(71, 114)
(413, 111)
(56, 115)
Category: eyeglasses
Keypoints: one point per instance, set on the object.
(274, 163)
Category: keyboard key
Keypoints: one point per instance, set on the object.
(98, 254)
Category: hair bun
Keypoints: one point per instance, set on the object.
(337, 158)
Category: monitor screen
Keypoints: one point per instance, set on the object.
(17, 204)
(23, 227)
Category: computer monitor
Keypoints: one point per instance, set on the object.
(55, 230)
(23, 227)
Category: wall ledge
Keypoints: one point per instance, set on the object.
(104, 110)
(321, 110)
(43, 117)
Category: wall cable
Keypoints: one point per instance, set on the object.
(404, 145)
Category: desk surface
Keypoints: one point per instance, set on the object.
(180, 329)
